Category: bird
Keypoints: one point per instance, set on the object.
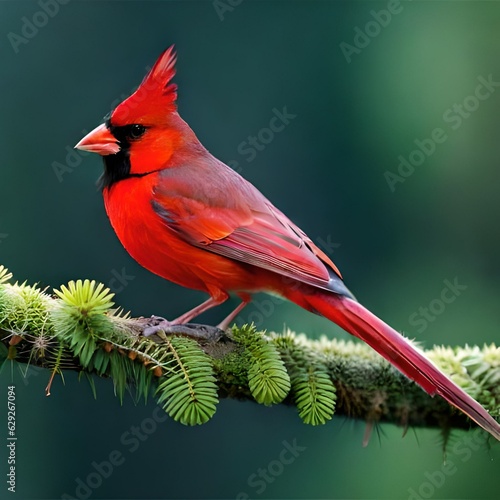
(186, 216)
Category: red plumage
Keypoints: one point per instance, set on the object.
(189, 218)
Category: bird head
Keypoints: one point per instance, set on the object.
(140, 135)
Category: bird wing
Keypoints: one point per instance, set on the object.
(226, 215)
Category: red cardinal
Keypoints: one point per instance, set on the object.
(191, 219)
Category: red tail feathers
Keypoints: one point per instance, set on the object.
(358, 321)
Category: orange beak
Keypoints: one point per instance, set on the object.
(100, 141)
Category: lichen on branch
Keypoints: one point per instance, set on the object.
(78, 327)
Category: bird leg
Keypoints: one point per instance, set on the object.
(224, 324)
(196, 311)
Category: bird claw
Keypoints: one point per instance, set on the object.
(161, 328)
(156, 325)
(156, 319)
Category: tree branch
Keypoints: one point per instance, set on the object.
(78, 329)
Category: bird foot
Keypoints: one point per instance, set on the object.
(160, 327)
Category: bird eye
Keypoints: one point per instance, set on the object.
(136, 131)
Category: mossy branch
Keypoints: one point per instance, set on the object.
(78, 328)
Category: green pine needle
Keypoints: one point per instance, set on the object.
(24, 308)
(87, 296)
(188, 391)
(80, 320)
(314, 394)
(4, 275)
(312, 388)
(268, 379)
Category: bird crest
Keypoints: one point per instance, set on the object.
(154, 97)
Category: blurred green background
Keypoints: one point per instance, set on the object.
(365, 81)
